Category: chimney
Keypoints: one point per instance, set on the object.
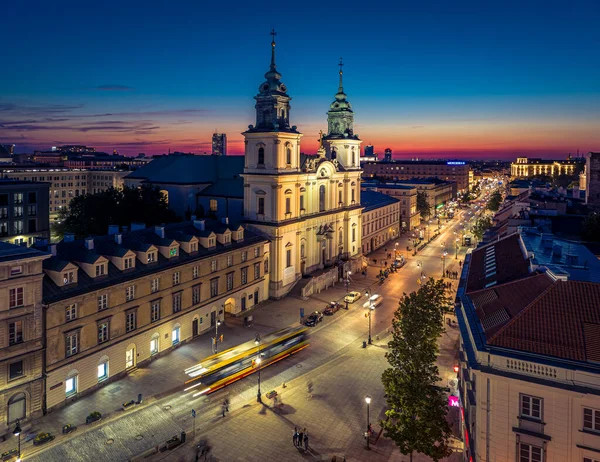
(137, 226)
(160, 231)
(193, 217)
(52, 249)
(89, 243)
(200, 224)
(68, 237)
(113, 229)
(225, 220)
(118, 238)
(124, 229)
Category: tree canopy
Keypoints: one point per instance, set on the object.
(480, 226)
(417, 404)
(423, 206)
(495, 201)
(90, 214)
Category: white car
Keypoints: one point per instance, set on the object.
(374, 300)
(352, 297)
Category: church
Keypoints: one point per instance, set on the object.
(307, 205)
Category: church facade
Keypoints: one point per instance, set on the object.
(307, 205)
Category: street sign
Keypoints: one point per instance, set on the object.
(194, 413)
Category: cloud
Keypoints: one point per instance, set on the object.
(116, 126)
(36, 111)
(114, 87)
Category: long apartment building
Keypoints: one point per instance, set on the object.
(525, 167)
(65, 184)
(456, 171)
(410, 218)
(529, 371)
(380, 220)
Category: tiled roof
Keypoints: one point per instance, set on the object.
(497, 263)
(563, 322)
(371, 200)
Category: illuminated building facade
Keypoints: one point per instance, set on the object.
(525, 167)
(24, 211)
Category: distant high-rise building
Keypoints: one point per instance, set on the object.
(592, 180)
(219, 144)
(388, 155)
(369, 150)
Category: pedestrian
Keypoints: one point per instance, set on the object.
(226, 404)
(223, 410)
(295, 436)
(305, 440)
(300, 439)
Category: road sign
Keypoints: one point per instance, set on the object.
(194, 413)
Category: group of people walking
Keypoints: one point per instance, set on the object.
(300, 437)
(452, 274)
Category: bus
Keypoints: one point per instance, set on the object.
(218, 371)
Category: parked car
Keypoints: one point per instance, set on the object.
(352, 297)
(332, 308)
(373, 301)
(313, 319)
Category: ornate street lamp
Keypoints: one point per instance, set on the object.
(368, 401)
(258, 361)
(17, 433)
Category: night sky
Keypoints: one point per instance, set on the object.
(444, 79)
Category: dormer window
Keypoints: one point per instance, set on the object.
(194, 247)
(151, 257)
(128, 263)
(69, 277)
(173, 252)
(100, 269)
(211, 242)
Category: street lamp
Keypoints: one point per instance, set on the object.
(17, 433)
(258, 361)
(368, 401)
(348, 280)
(217, 324)
(444, 263)
(456, 248)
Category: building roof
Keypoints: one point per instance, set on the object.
(426, 162)
(141, 240)
(386, 185)
(371, 200)
(498, 262)
(563, 322)
(10, 252)
(190, 169)
(8, 182)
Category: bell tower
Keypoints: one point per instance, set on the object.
(272, 145)
(341, 143)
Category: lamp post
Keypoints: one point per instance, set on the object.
(258, 361)
(17, 433)
(348, 280)
(444, 263)
(368, 401)
(217, 324)
(369, 316)
(456, 249)
(428, 225)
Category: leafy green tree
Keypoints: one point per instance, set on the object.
(495, 201)
(416, 419)
(466, 197)
(90, 214)
(423, 206)
(480, 226)
(590, 230)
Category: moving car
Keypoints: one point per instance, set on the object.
(313, 319)
(374, 300)
(333, 307)
(352, 297)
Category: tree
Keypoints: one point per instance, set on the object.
(418, 405)
(466, 197)
(591, 227)
(495, 201)
(480, 226)
(423, 206)
(90, 214)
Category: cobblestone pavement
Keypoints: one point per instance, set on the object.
(335, 346)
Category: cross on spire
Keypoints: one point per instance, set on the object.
(341, 86)
(341, 64)
(273, 34)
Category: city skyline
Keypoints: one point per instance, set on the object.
(467, 82)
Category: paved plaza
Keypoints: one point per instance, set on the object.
(342, 373)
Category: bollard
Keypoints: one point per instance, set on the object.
(364, 344)
(139, 401)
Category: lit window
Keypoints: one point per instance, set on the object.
(102, 371)
(151, 257)
(175, 336)
(213, 205)
(154, 346)
(71, 386)
(69, 277)
(173, 252)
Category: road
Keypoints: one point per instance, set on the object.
(338, 338)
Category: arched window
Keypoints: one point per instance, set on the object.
(17, 407)
(333, 154)
(340, 200)
(302, 250)
(261, 156)
(288, 156)
(341, 237)
(322, 198)
(353, 158)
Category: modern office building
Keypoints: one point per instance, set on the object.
(219, 144)
(117, 301)
(6, 153)
(308, 206)
(369, 151)
(387, 156)
(407, 195)
(24, 213)
(380, 220)
(529, 373)
(451, 170)
(592, 179)
(65, 184)
(525, 167)
(22, 339)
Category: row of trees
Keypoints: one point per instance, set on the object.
(416, 419)
(495, 201)
(90, 214)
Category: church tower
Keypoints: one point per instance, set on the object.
(341, 143)
(272, 145)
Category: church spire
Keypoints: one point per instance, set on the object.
(273, 34)
(341, 85)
